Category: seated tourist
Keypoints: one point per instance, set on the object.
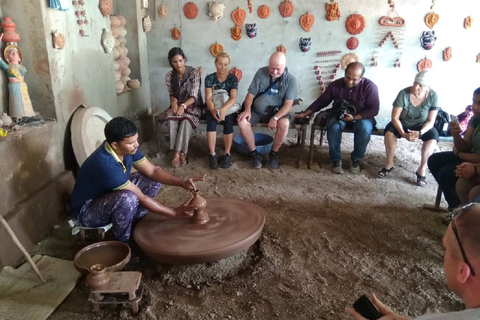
(468, 183)
(413, 116)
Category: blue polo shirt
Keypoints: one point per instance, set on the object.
(100, 173)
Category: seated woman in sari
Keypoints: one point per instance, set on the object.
(413, 116)
(19, 100)
(183, 85)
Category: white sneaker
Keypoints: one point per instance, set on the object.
(337, 167)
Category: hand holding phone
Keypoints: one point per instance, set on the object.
(454, 119)
(366, 308)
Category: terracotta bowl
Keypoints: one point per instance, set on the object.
(114, 255)
(263, 143)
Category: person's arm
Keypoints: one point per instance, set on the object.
(371, 103)
(432, 115)
(387, 312)
(397, 124)
(322, 102)
(461, 144)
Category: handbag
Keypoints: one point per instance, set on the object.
(220, 97)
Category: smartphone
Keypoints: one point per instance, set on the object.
(454, 119)
(366, 308)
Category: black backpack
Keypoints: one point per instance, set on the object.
(441, 122)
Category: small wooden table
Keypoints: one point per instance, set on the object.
(124, 287)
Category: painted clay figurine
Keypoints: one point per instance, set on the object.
(305, 44)
(467, 24)
(215, 10)
(427, 40)
(447, 54)
(236, 33)
(19, 99)
(251, 29)
(333, 11)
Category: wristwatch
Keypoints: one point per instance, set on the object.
(275, 118)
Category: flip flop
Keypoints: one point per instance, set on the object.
(421, 180)
(384, 172)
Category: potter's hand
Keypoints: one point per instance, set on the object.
(184, 211)
(189, 183)
(465, 170)
(387, 313)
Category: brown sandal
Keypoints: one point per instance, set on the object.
(176, 161)
(183, 159)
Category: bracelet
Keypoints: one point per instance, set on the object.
(183, 105)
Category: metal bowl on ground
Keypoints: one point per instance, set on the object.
(263, 143)
(114, 255)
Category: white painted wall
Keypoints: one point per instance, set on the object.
(454, 81)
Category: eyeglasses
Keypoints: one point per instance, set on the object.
(452, 216)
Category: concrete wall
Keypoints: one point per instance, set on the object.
(455, 81)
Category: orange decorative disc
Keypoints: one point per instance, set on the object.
(467, 24)
(391, 22)
(307, 21)
(286, 8)
(237, 73)
(238, 16)
(352, 43)
(282, 49)
(176, 34)
(424, 64)
(263, 11)
(431, 19)
(216, 48)
(355, 23)
(190, 10)
(236, 33)
(347, 59)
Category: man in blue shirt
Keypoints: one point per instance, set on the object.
(105, 192)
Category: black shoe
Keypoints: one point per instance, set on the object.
(227, 161)
(213, 161)
(256, 160)
(272, 158)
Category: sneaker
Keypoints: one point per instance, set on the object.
(355, 168)
(272, 158)
(256, 160)
(337, 167)
(213, 161)
(227, 161)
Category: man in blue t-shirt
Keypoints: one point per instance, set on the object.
(105, 192)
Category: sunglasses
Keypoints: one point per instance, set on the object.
(452, 216)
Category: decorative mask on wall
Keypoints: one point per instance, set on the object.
(355, 23)
(176, 34)
(467, 24)
(251, 30)
(238, 16)
(190, 10)
(263, 11)
(307, 21)
(333, 11)
(215, 10)
(305, 44)
(236, 33)
(286, 8)
(215, 49)
(447, 54)
(424, 64)
(106, 7)
(58, 40)
(431, 19)
(352, 43)
(282, 49)
(162, 11)
(237, 73)
(427, 40)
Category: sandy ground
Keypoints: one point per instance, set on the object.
(327, 240)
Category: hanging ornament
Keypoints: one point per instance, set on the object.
(355, 23)
(305, 44)
(215, 10)
(176, 34)
(190, 10)
(424, 64)
(282, 49)
(238, 16)
(215, 48)
(467, 23)
(447, 54)
(333, 11)
(237, 73)
(263, 11)
(352, 43)
(286, 8)
(108, 41)
(106, 7)
(307, 21)
(81, 15)
(236, 33)
(427, 40)
(347, 59)
(251, 29)
(431, 19)
(389, 35)
(387, 21)
(58, 40)
(250, 5)
(147, 24)
(162, 11)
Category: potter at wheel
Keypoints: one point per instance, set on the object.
(233, 225)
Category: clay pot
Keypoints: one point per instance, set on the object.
(118, 75)
(307, 21)
(122, 40)
(106, 7)
(125, 72)
(286, 8)
(98, 277)
(176, 34)
(115, 32)
(133, 84)
(238, 16)
(114, 22)
(199, 215)
(190, 10)
(116, 54)
(9, 34)
(7, 121)
(122, 32)
(119, 86)
(263, 11)
(122, 20)
(355, 23)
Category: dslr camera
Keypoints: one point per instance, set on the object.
(341, 107)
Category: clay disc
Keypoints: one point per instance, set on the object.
(347, 59)
(355, 23)
(234, 226)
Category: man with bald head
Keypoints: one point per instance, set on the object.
(361, 93)
(461, 264)
(269, 100)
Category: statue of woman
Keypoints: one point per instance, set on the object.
(19, 100)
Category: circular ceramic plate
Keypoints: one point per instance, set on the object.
(87, 131)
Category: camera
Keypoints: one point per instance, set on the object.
(341, 107)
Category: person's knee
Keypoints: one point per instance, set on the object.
(126, 198)
(283, 125)
(244, 124)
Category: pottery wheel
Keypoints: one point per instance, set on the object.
(234, 226)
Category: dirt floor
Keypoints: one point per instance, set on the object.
(327, 240)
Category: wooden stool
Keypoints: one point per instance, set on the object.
(124, 287)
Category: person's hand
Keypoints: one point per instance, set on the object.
(272, 124)
(413, 135)
(465, 170)
(300, 115)
(387, 313)
(174, 108)
(223, 111)
(180, 110)
(454, 128)
(348, 117)
(189, 183)
(244, 115)
(213, 112)
(184, 211)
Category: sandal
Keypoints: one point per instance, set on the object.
(176, 161)
(421, 180)
(183, 159)
(384, 172)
